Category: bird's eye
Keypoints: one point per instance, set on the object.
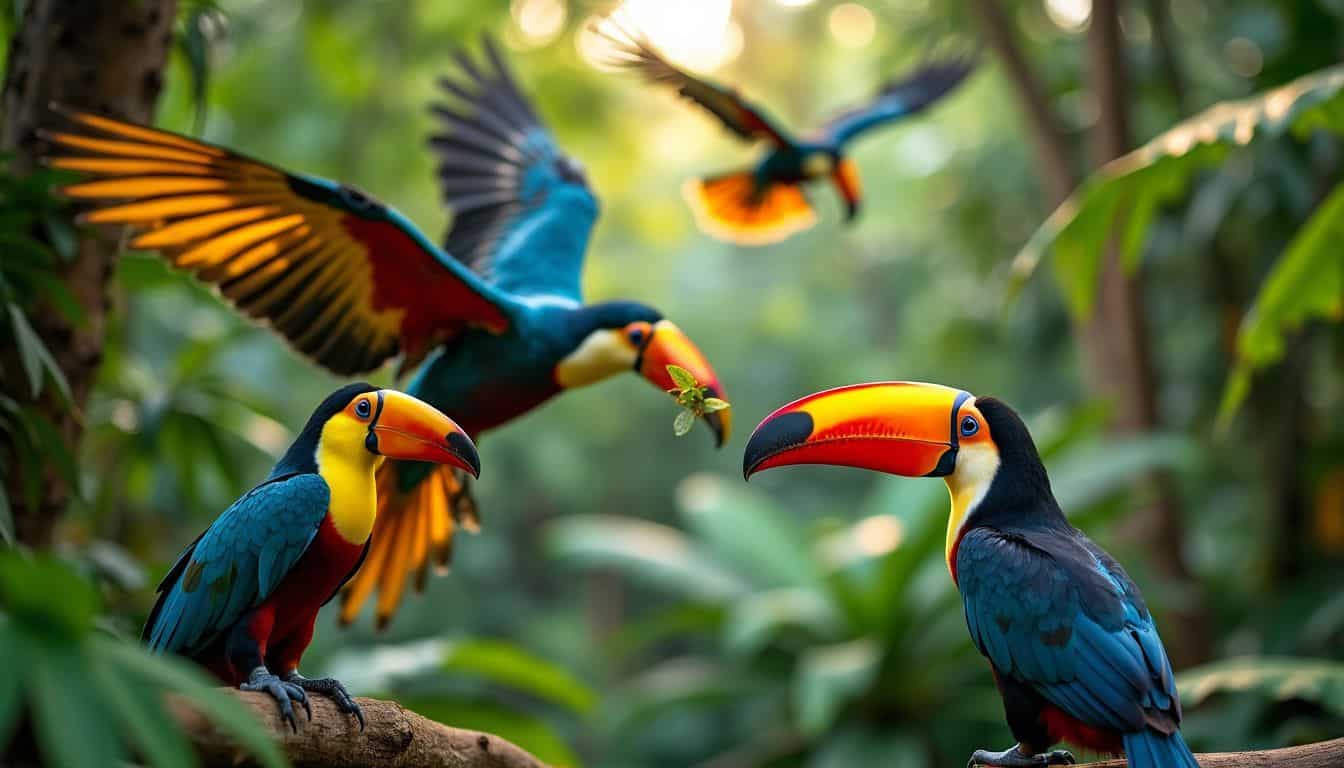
(363, 409)
(636, 336)
(969, 426)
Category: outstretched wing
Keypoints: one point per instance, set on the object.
(237, 563)
(348, 281)
(900, 98)
(1067, 621)
(633, 51)
(522, 210)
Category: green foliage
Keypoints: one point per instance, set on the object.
(1306, 282)
(508, 665)
(1318, 681)
(28, 277)
(1122, 198)
(94, 700)
(693, 399)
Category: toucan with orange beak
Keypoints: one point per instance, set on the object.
(1074, 651)
(491, 325)
(243, 598)
(765, 204)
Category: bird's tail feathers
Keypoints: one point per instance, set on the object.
(735, 207)
(1153, 749)
(412, 534)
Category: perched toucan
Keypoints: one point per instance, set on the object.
(496, 316)
(242, 599)
(766, 204)
(1073, 648)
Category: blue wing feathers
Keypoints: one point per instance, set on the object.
(901, 98)
(1060, 616)
(237, 562)
(522, 210)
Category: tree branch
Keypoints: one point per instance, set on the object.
(393, 738)
(1325, 754)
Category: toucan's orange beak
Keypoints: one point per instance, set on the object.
(669, 346)
(407, 428)
(846, 180)
(901, 427)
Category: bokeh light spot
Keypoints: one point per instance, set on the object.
(1071, 15)
(852, 25)
(539, 21)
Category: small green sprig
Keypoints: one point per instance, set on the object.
(693, 399)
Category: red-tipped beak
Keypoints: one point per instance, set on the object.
(410, 429)
(669, 346)
(846, 180)
(905, 428)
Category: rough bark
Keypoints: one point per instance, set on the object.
(105, 57)
(1115, 343)
(1325, 754)
(393, 738)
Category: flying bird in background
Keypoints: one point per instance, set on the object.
(1074, 651)
(766, 203)
(494, 319)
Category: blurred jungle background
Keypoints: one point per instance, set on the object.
(629, 601)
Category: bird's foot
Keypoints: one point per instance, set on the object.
(1015, 758)
(332, 689)
(282, 691)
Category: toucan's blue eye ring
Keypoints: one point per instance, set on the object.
(969, 426)
(363, 409)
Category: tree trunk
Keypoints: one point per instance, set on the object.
(103, 56)
(1115, 345)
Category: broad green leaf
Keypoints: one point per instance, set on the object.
(759, 618)
(746, 530)
(684, 423)
(714, 405)
(1306, 282)
(185, 679)
(28, 342)
(75, 727)
(682, 377)
(34, 356)
(1123, 197)
(654, 553)
(27, 586)
(140, 711)
(1316, 680)
(828, 677)
(527, 731)
(509, 665)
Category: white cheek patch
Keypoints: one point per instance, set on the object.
(604, 353)
(977, 464)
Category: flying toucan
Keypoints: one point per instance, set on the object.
(1073, 648)
(766, 204)
(242, 599)
(495, 319)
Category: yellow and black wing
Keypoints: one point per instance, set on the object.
(347, 280)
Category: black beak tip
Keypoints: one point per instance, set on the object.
(462, 446)
(774, 436)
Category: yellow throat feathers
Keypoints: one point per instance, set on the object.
(348, 467)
